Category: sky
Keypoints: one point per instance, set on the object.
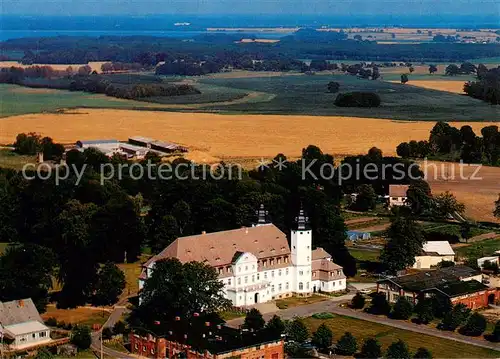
(200, 7)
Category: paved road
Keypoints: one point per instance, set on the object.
(96, 337)
(333, 307)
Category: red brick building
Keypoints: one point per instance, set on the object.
(153, 347)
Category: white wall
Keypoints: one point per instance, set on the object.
(425, 262)
(301, 243)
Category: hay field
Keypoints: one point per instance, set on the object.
(226, 135)
(95, 66)
(478, 195)
(448, 86)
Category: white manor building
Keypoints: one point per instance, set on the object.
(256, 264)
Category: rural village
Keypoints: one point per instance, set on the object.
(249, 191)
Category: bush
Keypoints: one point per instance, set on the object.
(51, 322)
(358, 99)
(107, 333)
(456, 317)
(398, 350)
(403, 309)
(495, 335)
(323, 315)
(422, 353)
(323, 337)
(358, 301)
(81, 337)
(119, 327)
(347, 344)
(424, 310)
(371, 349)
(333, 87)
(379, 305)
(475, 326)
(298, 331)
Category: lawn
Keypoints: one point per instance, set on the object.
(298, 301)
(479, 249)
(80, 315)
(364, 255)
(440, 348)
(132, 272)
(10, 159)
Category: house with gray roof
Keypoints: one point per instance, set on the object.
(21, 325)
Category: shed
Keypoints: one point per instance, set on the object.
(357, 235)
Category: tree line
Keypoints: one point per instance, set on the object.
(451, 143)
(487, 88)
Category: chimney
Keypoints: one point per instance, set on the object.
(21, 303)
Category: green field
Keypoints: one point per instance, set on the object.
(427, 77)
(307, 95)
(480, 249)
(364, 255)
(10, 159)
(298, 95)
(440, 348)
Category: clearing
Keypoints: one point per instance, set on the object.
(360, 329)
(80, 315)
(251, 136)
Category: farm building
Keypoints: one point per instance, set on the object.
(108, 147)
(397, 195)
(482, 261)
(433, 253)
(460, 284)
(162, 146)
(357, 235)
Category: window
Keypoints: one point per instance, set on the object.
(258, 276)
(334, 283)
(307, 247)
(301, 272)
(253, 278)
(143, 348)
(239, 280)
(279, 273)
(272, 274)
(287, 285)
(314, 274)
(246, 267)
(221, 270)
(307, 285)
(253, 266)
(272, 288)
(301, 286)
(136, 346)
(264, 263)
(240, 297)
(265, 275)
(229, 281)
(278, 260)
(286, 271)
(246, 279)
(308, 258)
(279, 287)
(33, 335)
(42, 334)
(286, 259)
(271, 262)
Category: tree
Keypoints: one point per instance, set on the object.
(26, 272)
(441, 305)
(298, 331)
(366, 199)
(419, 197)
(375, 73)
(81, 336)
(323, 337)
(165, 233)
(455, 318)
(371, 349)
(107, 333)
(432, 69)
(109, 285)
(333, 87)
(379, 305)
(398, 350)
(411, 69)
(402, 309)
(424, 310)
(405, 242)
(422, 353)
(275, 326)
(119, 327)
(347, 344)
(358, 301)
(27, 144)
(404, 78)
(43, 353)
(446, 204)
(475, 326)
(495, 335)
(178, 290)
(254, 320)
(452, 70)
(496, 211)
(51, 150)
(403, 150)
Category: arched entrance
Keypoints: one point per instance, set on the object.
(256, 297)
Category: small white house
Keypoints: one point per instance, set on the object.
(21, 325)
(481, 261)
(433, 253)
(397, 195)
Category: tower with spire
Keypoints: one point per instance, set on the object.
(301, 242)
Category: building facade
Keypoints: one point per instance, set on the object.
(433, 253)
(151, 347)
(397, 195)
(257, 264)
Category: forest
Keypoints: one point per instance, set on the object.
(78, 224)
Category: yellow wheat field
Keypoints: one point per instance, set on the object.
(448, 86)
(225, 135)
(95, 66)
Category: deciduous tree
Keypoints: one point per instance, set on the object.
(109, 285)
(358, 301)
(254, 320)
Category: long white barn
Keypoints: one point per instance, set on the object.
(256, 264)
